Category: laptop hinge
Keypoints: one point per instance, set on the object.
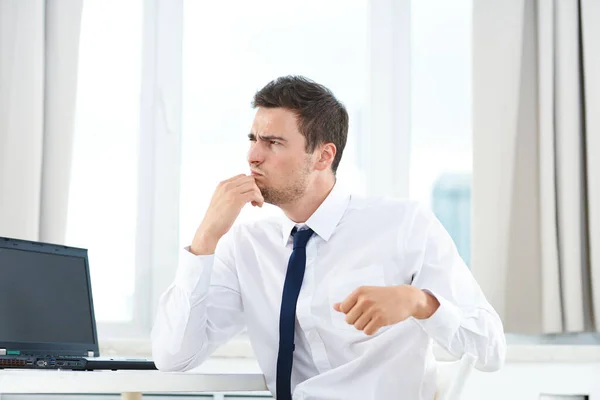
(2, 352)
(90, 353)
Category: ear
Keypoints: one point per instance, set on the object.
(325, 155)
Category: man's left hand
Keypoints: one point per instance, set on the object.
(369, 308)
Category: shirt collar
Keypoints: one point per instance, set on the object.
(324, 220)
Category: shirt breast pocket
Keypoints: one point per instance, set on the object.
(342, 285)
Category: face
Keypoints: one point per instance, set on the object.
(277, 156)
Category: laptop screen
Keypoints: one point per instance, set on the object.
(44, 296)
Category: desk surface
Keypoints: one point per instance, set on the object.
(61, 381)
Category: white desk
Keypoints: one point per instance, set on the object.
(130, 384)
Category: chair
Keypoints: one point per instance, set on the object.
(452, 376)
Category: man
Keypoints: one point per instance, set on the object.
(343, 296)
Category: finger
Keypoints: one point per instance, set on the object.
(349, 302)
(247, 187)
(233, 182)
(257, 203)
(362, 322)
(259, 200)
(243, 180)
(354, 314)
(253, 196)
(372, 327)
(233, 178)
(336, 307)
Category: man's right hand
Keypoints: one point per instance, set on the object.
(227, 201)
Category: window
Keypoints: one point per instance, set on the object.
(232, 49)
(441, 144)
(104, 179)
(135, 187)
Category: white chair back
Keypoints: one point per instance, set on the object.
(452, 376)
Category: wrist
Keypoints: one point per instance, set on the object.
(203, 244)
(425, 304)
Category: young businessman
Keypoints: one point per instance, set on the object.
(343, 296)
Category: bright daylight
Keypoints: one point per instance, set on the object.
(300, 200)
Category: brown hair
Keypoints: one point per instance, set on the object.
(321, 117)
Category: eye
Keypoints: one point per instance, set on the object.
(274, 142)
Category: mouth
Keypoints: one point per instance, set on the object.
(254, 173)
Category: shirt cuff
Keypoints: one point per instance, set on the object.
(194, 272)
(444, 323)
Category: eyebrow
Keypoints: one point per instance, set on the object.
(266, 138)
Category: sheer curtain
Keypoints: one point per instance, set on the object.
(38, 77)
(536, 190)
(103, 197)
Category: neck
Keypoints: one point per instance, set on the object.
(300, 210)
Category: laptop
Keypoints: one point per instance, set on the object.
(46, 310)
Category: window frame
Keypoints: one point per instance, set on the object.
(156, 252)
(389, 102)
(157, 242)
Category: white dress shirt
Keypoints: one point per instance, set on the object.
(357, 242)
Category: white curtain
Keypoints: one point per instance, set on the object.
(39, 44)
(536, 145)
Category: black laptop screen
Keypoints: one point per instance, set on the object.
(44, 298)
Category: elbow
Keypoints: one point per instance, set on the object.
(495, 357)
(163, 364)
(163, 361)
(168, 361)
(492, 364)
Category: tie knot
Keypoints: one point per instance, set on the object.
(301, 237)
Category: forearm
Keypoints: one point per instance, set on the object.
(476, 330)
(463, 321)
(483, 337)
(179, 335)
(195, 317)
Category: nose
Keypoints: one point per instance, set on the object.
(255, 154)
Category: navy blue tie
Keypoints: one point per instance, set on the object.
(287, 316)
